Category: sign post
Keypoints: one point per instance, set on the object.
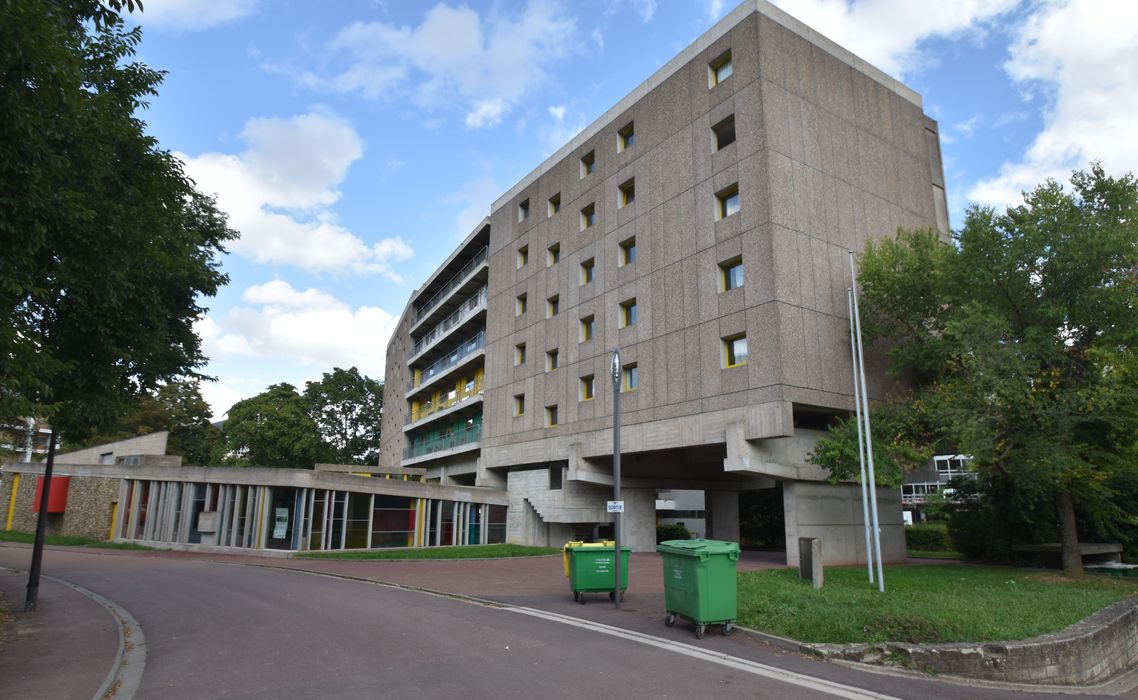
(617, 506)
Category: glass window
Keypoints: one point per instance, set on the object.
(627, 194)
(523, 256)
(723, 133)
(588, 328)
(587, 270)
(630, 377)
(520, 307)
(554, 254)
(588, 387)
(719, 70)
(588, 216)
(554, 204)
(551, 416)
(626, 136)
(519, 353)
(727, 202)
(627, 313)
(520, 405)
(628, 252)
(588, 164)
(736, 349)
(731, 274)
(523, 210)
(551, 360)
(553, 306)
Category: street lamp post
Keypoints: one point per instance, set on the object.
(619, 510)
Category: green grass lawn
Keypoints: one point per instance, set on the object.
(29, 538)
(922, 603)
(474, 551)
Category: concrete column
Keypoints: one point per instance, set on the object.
(123, 510)
(638, 525)
(722, 509)
(833, 513)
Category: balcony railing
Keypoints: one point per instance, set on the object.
(464, 436)
(459, 315)
(465, 349)
(478, 259)
(468, 391)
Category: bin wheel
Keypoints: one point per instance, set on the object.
(581, 598)
(670, 620)
(699, 630)
(727, 627)
(612, 595)
(576, 596)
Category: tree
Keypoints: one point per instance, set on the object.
(346, 407)
(1022, 337)
(271, 429)
(108, 248)
(176, 406)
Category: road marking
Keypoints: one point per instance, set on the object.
(722, 659)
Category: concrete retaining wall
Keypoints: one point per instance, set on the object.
(1094, 650)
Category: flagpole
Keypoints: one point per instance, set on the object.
(868, 430)
(860, 442)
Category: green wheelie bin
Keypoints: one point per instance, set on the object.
(699, 582)
(591, 571)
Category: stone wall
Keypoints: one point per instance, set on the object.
(1094, 650)
(90, 502)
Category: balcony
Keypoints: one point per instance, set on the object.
(467, 271)
(465, 436)
(472, 390)
(464, 350)
(475, 303)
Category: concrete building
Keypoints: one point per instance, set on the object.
(702, 226)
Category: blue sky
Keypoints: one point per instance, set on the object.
(354, 143)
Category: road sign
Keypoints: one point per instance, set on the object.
(616, 506)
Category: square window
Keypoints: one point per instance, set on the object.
(588, 216)
(554, 204)
(554, 254)
(588, 388)
(519, 404)
(519, 354)
(551, 416)
(551, 359)
(628, 252)
(553, 306)
(523, 256)
(588, 270)
(723, 133)
(627, 194)
(588, 328)
(726, 202)
(720, 69)
(588, 164)
(626, 136)
(523, 210)
(731, 274)
(735, 348)
(629, 377)
(627, 313)
(520, 307)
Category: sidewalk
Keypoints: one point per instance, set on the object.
(63, 650)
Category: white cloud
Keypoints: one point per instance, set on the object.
(311, 327)
(887, 32)
(557, 112)
(278, 194)
(488, 64)
(477, 196)
(1085, 57)
(191, 14)
(968, 127)
(645, 8)
(714, 10)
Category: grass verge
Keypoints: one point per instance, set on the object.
(62, 541)
(922, 604)
(474, 551)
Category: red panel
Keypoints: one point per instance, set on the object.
(57, 499)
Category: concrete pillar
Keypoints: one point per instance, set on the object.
(722, 509)
(833, 513)
(638, 526)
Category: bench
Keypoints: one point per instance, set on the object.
(1050, 554)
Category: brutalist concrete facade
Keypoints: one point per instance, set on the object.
(794, 155)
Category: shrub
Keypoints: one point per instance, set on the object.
(929, 538)
(678, 531)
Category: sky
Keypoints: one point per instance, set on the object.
(353, 144)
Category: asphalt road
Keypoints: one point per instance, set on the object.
(223, 630)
